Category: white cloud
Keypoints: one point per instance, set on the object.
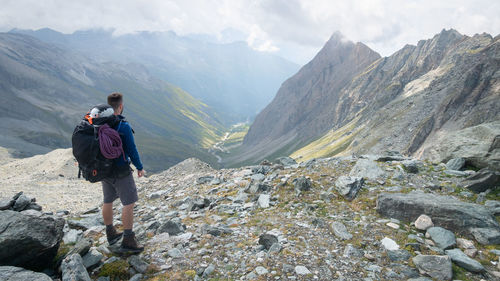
(293, 28)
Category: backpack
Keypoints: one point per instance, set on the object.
(92, 164)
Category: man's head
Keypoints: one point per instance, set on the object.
(115, 100)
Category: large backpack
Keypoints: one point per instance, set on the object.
(93, 166)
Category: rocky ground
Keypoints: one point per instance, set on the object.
(350, 218)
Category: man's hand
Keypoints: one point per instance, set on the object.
(140, 173)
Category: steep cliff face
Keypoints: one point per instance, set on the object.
(369, 104)
(302, 108)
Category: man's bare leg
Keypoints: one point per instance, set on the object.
(128, 216)
(107, 213)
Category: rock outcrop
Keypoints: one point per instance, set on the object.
(469, 219)
(32, 240)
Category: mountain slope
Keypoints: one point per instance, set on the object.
(47, 89)
(402, 102)
(232, 78)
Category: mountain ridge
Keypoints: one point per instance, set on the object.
(363, 103)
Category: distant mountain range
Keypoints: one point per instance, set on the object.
(235, 80)
(46, 89)
(437, 100)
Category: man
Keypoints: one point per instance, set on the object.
(122, 184)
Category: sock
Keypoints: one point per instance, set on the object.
(109, 227)
(128, 232)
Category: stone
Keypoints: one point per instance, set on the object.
(175, 253)
(86, 222)
(438, 267)
(73, 269)
(465, 243)
(217, 230)
(389, 244)
(410, 166)
(392, 225)
(258, 188)
(21, 203)
(204, 180)
(13, 273)
(352, 252)
(302, 184)
(398, 255)
(423, 222)
(138, 264)
(210, 268)
(467, 219)
(136, 277)
(258, 177)
(200, 203)
(348, 186)
(367, 169)
(267, 240)
(172, 227)
(32, 241)
(455, 164)
(6, 204)
(81, 247)
(92, 258)
(33, 206)
(260, 270)
(462, 260)
(301, 270)
(71, 236)
(481, 181)
(264, 200)
(493, 206)
(340, 231)
(486, 236)
(443, 238)
(286, 161)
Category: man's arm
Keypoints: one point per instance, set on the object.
(130, 147)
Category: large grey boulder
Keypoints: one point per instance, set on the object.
(462, 260)
(302, 184)
(437, 267)
(349, 187)
(368, 169)
(471, 220)
(340, 231)
(32, 241)
(172, 227)
(286, 161)
(73, 269)
(12, 273)
(482, 181)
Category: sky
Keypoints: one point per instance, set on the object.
(294, 29)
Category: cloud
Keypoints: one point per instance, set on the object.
(293, 28)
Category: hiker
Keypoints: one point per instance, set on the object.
(121, 184)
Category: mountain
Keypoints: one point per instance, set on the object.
(349, 100)
(46, 89)
(232, 78)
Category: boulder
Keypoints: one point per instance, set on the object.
(410, 166)
(21, 203)
(471, 220)
(482, 180)
(455, 164)
(302, 184)
(437, 267)
(349, 187)
(493, 206)
(73, 269)
(6, 204)
(17, 273)
(264, 200)
(285, 161)
(423, 222)
(340, 231)
(443, 238)
(367, 169)
(172, 227)
(32, 241)
(462, 260)
(267, 240)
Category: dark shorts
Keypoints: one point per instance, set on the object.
(123, 188)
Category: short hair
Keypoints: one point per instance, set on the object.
(114, 100)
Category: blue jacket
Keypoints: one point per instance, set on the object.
(131, 153)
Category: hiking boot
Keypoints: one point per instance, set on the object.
(129, 244)
(113, 235)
